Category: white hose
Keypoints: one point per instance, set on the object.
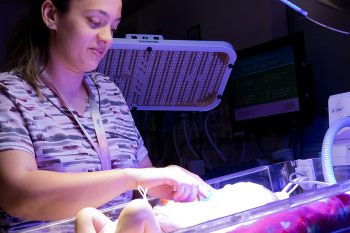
(204, 157)
(191, 148)
(327, 146)
(188, 141)
(208, 135)
(176, 146)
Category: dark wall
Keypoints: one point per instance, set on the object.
(329, 53)
(9, 13)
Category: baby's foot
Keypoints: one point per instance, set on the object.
(174, 216)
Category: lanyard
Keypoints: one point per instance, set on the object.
(102, 150)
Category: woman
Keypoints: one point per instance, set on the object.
(52, 115)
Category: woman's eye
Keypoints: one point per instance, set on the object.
(94, 22)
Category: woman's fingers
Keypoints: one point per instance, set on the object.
(193, 194)
(174, 183)
(201, 182)
(186, 192)
(203, 191)
(190, 185)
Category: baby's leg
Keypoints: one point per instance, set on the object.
(137, 217)
(176, 216)
(90, 220)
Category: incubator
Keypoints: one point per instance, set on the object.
(273, 177)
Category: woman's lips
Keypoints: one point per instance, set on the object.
(97, 52)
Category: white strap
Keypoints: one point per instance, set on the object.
(143, 192)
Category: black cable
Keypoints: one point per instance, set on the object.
(265, 155)
(87, 127)
(99, 98)
(323, 107)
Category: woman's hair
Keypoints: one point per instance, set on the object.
(27, 49)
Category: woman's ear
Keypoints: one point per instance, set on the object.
(49, 14)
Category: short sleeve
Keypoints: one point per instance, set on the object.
(142, 152)
(13, 133)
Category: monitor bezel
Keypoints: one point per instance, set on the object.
(280, 123)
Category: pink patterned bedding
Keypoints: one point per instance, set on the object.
(326, 215)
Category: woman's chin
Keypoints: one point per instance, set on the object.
(91, 67)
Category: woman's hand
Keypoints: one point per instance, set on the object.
(173, 183)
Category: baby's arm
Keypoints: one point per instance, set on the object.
(90, 220)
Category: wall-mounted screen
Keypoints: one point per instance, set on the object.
(271, 85)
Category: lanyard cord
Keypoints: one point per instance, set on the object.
(98, 92)
(87, 127)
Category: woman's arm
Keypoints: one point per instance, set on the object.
(145, 163)
(44, 195)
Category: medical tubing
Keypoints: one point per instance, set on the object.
(297, 185)
(208, 135)
(187, 140)
(204, 157)
(176, 146)
(305, 182)
(327, 146)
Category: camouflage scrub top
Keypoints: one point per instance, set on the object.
(58, 144)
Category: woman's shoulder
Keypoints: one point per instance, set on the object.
(11, 80)
(11, 75)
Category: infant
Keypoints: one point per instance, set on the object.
(223, 202)
(138, 215)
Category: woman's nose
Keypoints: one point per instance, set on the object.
(105, 35)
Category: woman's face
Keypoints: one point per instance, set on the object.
(85, 33)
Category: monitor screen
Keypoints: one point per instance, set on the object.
(270, 85)
(265, 84)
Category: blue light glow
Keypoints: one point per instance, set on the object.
(293, 6)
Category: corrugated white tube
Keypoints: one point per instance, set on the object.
(327, 146)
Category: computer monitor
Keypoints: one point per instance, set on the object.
(270, 87)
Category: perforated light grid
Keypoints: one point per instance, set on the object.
(164, 78)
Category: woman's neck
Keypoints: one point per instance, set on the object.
(70, 86)
(67, 82)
